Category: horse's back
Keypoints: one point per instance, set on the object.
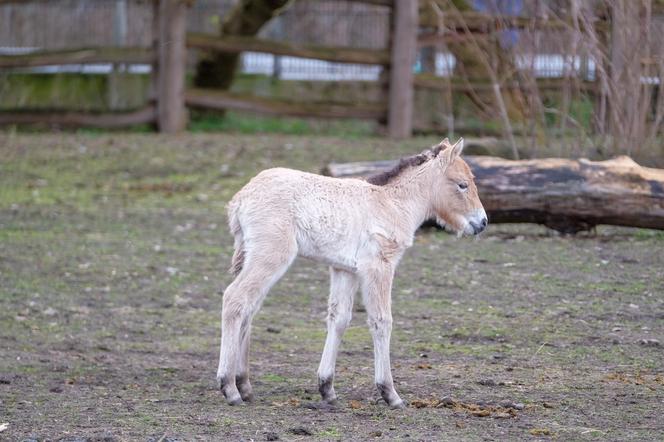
(304, 204)
(286, 186)
(273, 193)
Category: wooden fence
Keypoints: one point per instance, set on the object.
(169, 98)
(399, 58)
(159, 88)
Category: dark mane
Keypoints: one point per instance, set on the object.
(383, 178)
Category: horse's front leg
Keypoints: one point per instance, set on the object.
(376, 290)
(343, 286)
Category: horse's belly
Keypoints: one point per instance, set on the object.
(338, 253)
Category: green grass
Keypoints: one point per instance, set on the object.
(330, 432)
(648, 235)
(271, 377)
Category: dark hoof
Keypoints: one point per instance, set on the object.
(247, 397)
(330, 397)
(244, 387)
(390, 397)
(234, 402)
(399, 405)
(326, 390)
(229, 391)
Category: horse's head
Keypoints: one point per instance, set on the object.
(456, 203)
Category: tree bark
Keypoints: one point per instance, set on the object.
(566, 195)
(217, 70)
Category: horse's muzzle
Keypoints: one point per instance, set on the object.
(478, 227)
(478, 221)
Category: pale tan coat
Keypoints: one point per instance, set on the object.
(359, 229)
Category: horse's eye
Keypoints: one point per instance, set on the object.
(463, 185)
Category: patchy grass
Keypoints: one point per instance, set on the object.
(113, 250)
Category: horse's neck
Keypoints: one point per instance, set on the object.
(411, 195)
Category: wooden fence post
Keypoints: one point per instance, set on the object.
(116, 77)
(171, 110)
(154, 64)
(403, 51)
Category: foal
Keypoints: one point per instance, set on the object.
(359, 228)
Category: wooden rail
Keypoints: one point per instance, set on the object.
(9, 2)
(233, 43)
(215, 99)
(430, 81)
(78, 56)
(73, 119)
(386, 3)
(480, 22)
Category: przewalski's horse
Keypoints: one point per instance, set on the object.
(359, 228)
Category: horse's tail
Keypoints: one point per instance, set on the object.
(237, 262)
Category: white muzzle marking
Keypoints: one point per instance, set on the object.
(475, 222)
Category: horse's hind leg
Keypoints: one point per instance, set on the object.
(232, 315)
(343, 286)
(242, 299)
(242, 377)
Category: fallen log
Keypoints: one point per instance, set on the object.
(566, 195)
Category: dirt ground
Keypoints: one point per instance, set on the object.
(113, 257)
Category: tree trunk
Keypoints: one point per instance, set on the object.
(565, 195)
(217, 70)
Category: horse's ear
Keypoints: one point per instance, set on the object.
(450, 153)
(457, 148)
